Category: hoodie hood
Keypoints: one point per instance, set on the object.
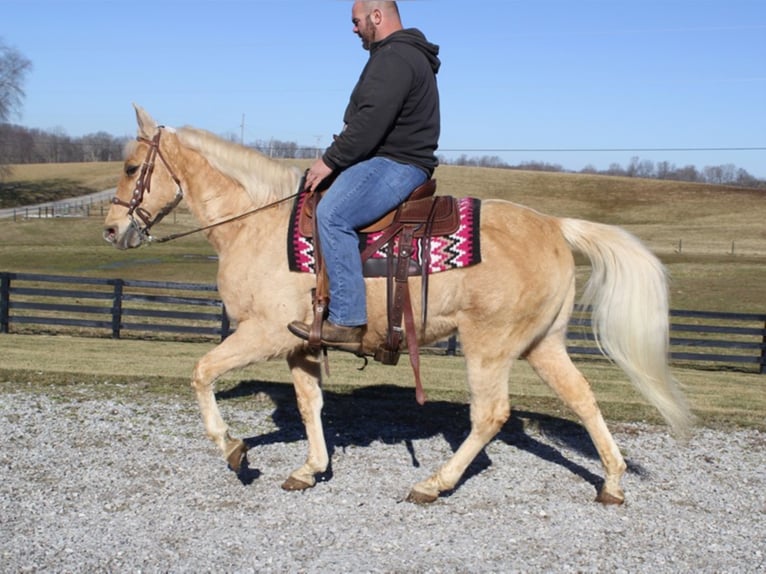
(416, 38)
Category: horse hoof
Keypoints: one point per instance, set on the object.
(606, 498)
(236, 456)
(293, 483)
(417, 497)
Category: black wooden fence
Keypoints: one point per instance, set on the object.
(699, 337)
(95, 306)
(141, 309)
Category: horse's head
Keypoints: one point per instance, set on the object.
(148, 188)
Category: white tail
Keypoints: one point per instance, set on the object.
(629, 296)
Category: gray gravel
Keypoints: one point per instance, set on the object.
(94, 482)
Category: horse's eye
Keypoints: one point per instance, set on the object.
(131, 170)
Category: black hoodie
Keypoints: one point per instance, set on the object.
(393, 111)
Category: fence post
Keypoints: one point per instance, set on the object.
(5, 301)
(117, 308)
(225, 323)
(763, 350)
(452, 346)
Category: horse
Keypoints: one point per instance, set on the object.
(516, 303)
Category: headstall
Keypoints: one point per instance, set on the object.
(143, 186)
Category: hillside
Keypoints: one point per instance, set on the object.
(31, 184)
(704, 218)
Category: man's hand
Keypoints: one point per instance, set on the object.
(316, 174)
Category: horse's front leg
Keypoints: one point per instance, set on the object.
(306, 371)
(234, 352)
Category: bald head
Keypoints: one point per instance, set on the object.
(388, 7)
(374, 20)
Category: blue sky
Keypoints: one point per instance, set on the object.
(529, 76)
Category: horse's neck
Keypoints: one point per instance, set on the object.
(214, 198)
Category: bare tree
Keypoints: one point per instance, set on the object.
(665, 169)
(632, 169)
(615, 169)
(100, 147)
(13, 69)
(687, 173)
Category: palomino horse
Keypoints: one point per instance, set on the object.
(516, 303)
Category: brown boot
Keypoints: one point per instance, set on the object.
(334, 336)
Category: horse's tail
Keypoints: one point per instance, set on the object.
(628, 293)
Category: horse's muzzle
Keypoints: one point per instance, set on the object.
(128, 238)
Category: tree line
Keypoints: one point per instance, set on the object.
(20, 145)
(725, 174)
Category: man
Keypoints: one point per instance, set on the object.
(386, 149)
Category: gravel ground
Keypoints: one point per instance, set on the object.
(94, 482)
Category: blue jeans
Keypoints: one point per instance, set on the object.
(360, 195)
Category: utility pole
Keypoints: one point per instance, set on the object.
(242, 131)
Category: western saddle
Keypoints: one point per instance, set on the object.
(422, 215)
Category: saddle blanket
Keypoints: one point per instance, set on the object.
(459, 249)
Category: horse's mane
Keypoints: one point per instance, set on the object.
(264, 179)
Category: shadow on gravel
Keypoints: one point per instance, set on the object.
(389, 414)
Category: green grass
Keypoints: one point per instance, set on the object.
(74, 246)
(29, 193)
(39, 183)
(718, 399)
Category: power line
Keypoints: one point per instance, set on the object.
(648, 149)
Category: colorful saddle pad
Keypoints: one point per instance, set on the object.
(456, 250)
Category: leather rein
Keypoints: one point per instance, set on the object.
(143, 186)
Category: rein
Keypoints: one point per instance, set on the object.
(143, 186)
(223, 222)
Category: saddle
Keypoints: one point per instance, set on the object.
(422, 215)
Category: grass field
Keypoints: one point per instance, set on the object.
(40, 183)
(712, 239)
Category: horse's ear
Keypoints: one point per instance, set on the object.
(147, 127)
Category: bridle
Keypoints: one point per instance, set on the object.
(144, 185)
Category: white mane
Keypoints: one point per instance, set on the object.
(265, 179)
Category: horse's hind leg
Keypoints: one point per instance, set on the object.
(551, 362)
(490, 409)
